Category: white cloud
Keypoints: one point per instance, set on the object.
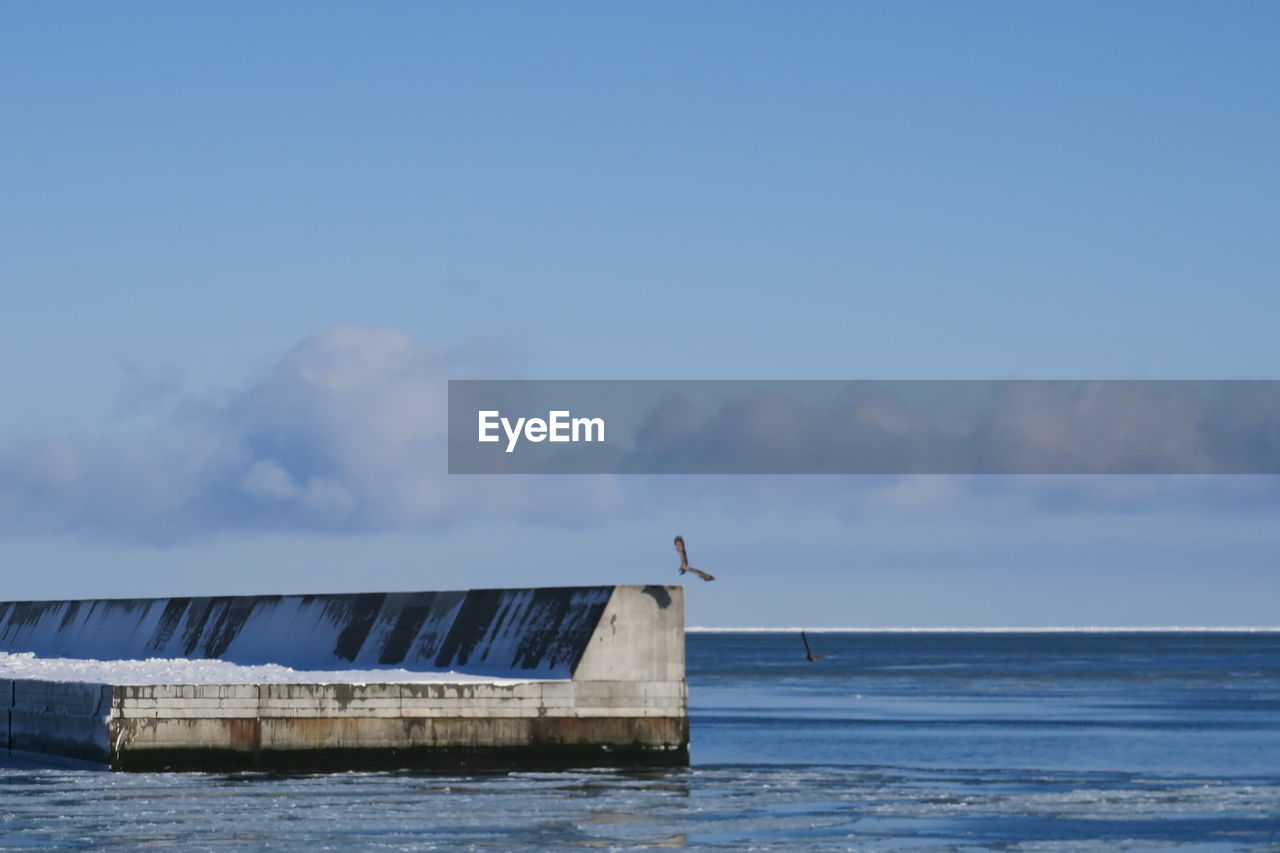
(347, 433)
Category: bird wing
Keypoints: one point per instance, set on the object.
(700, 573)
(807, 651)
(684, 559)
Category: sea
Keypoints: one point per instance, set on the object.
(913, 740)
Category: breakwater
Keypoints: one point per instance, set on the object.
(580, 676)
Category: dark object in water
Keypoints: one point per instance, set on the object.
(808, 652)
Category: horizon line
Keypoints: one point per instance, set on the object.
(1057, 629)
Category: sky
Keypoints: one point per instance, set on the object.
(243, 247)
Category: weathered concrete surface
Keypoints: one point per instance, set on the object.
(639, 637)
(537, 632)
(625, 704)
(307, 741)
(65, 719)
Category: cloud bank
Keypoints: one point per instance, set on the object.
(347, 433)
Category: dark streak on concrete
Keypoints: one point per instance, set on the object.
(407, 625)
(195, 625)
(473, 620)
(658, 594)
(73, 608)
(169, 620)
(363, 612)
(560, 638)
(232, 616)
(486, 631)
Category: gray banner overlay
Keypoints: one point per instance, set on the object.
(864, 427)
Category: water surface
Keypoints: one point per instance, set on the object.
(895, 742)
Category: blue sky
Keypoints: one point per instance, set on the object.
(226, 227)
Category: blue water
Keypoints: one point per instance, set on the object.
(896, 742)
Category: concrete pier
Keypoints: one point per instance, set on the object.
(581, 676)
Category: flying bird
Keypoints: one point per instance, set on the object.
(684, 562)
(808, 652)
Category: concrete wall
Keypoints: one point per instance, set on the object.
(625, 703)
(308, 725)
(639, 637)
(539, 632)
(64, 719)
